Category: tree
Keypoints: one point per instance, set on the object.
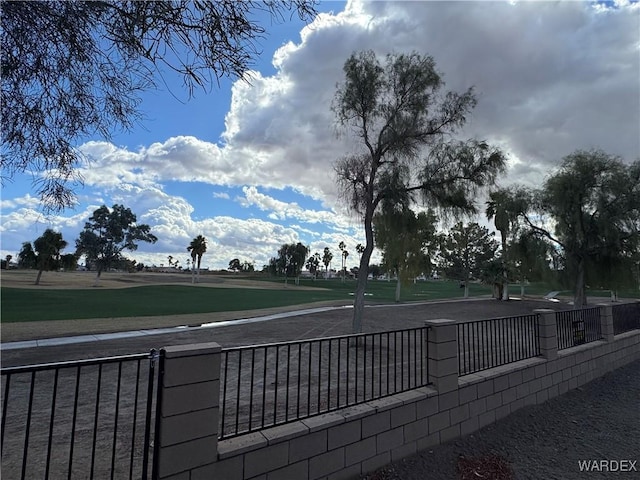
(197, 247)
(47, 248)
(247, 267)
(404, 125)
(404, 238)
(108, 233)
(235, 265)
(313, 264)
(6, 262)
(327, 256)
(374, 270)
(343, 257)
(290, 260)
(69, 262)
(27, 257)
(593, 202)
(466, 252)
(359, 251)
(501, 209)
(74, 69)
(530, 254)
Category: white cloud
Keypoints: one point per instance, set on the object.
(282, 210)
(551, 78)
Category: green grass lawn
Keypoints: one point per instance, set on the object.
(29, 305)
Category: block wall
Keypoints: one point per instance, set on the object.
(360, 439)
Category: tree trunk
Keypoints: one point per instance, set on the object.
(522, 288)
(398, 290)
(363, 272)
(580, 297)
(38, 277)
(97, 280)
(193, 274)
(505, 274)
(466, 287)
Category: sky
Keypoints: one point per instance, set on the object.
(249, 165)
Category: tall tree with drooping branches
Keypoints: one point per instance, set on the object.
(404, 126)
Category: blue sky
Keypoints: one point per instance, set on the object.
(249, 165)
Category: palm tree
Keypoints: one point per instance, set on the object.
(342, 247)
(499, 208)
(48, 248)
(197, 247)
(327, 256)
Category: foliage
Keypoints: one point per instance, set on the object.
(27, 257)
(75, 69)
(593, 203)
(235, 265)
(466, 252)
(344, 253)
(290, 260)
(197, 248)
(108, 233)
(503, 207)
(313, 264)
(47, 248)
(327, 256)
(247, 267)
(530, 255)
(404, 239)
(69, 262)
(404, 125)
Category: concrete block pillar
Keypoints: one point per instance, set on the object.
(188, 409)
(606, 322)
(442, 352)
(547, 333)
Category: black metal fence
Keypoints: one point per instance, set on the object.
(485, 344)
(273, 384)
(576, 327)
(81, 419)
(626, 317)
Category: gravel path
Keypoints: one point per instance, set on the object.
(598, 421)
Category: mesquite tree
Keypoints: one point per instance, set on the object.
(593, 205)
(403, 123)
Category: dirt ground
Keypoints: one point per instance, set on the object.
(305, 326)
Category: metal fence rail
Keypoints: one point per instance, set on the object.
(575, 327)
(626, 317)
(268, 385)
(81, 419)
(485, 344)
